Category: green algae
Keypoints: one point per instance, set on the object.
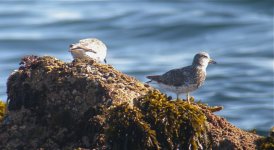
(155, 122)
(3, 109)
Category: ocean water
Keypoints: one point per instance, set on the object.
(149, 37)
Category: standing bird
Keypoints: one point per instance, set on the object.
(186, 79)
(89, 48)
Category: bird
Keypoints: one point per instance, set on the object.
(89, 48)
(185, 79)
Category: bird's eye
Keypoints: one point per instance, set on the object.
(71, 46)
(204, 56)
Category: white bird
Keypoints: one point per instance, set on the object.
(89, 48)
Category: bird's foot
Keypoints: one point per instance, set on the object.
(190, 100)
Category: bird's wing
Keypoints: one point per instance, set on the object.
(177, 77)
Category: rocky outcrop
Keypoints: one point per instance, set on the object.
(83, 104)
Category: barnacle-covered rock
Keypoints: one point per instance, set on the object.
(86, 105)
(48, 81)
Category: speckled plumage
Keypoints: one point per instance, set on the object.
(186, 79)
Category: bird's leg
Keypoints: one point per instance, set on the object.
(187, 97)
(177, 96)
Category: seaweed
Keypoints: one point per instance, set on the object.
(178, 124)
(28, 62)
(156, 123)
(267, 143)
(127, 129)
(3, 110)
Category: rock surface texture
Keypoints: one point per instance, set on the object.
(86, 105)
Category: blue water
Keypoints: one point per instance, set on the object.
(149, 37)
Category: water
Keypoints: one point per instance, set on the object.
(146, 38)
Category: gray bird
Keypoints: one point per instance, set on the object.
(186, 79)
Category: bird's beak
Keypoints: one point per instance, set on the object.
(87, 49)
(71, 47)
(211, 61)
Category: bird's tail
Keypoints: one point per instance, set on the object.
(148, 81)
(153, 78)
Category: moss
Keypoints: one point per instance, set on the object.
(267, 143)
(2, 110)
(155, 122)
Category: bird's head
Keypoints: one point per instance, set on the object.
(202, 59)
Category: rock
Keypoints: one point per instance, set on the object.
(86, 105)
